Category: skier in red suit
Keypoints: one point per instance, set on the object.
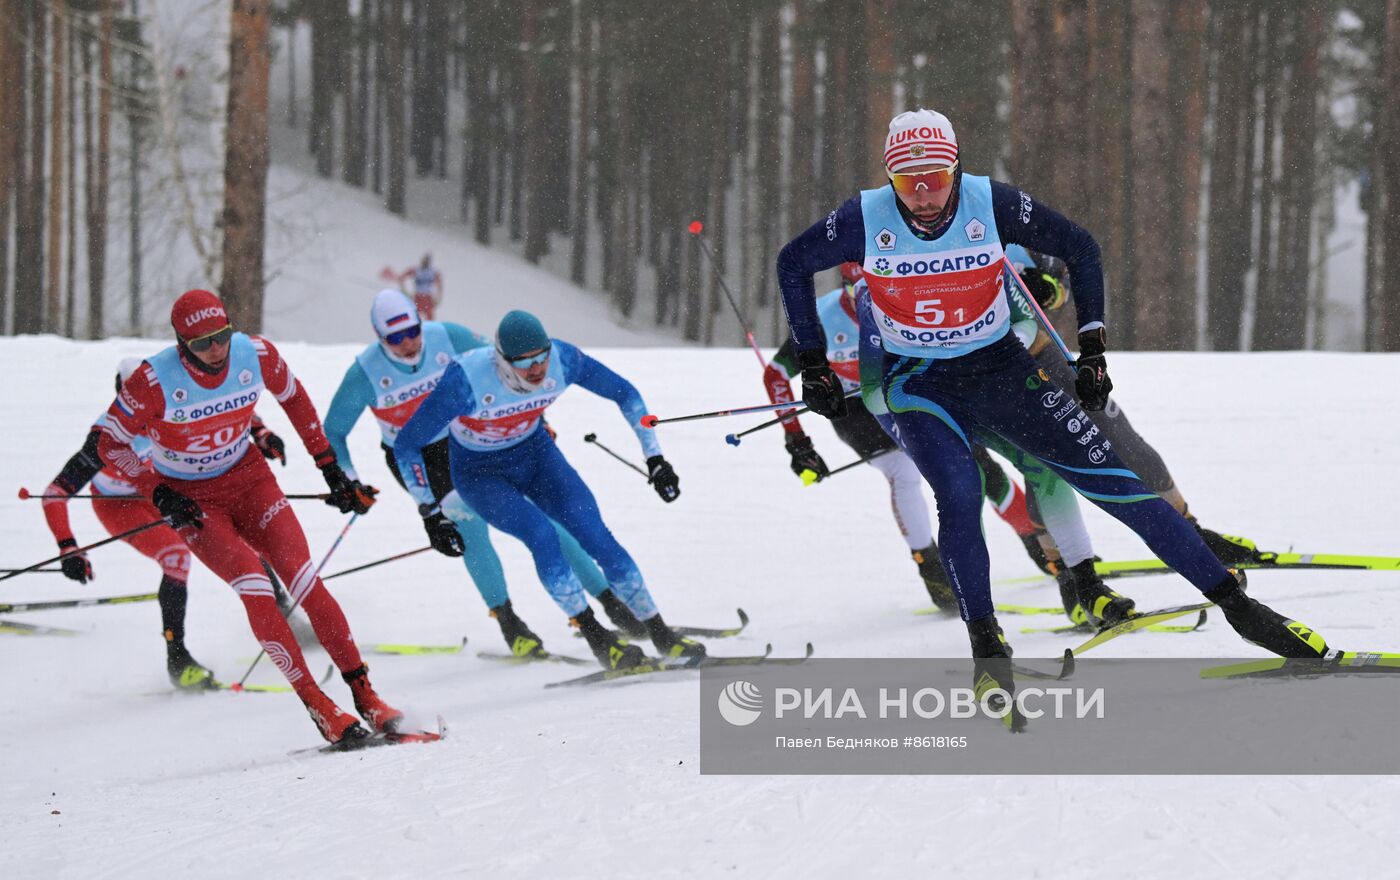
(194, 400)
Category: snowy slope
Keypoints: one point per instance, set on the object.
(1287, 449)
(328, 243)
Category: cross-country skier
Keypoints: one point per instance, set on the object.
(194, 400)
(508, 468)
(931, 245)
(120, 508)
(427, 286)
(862, 432)
(1045, 279)
(391, 377)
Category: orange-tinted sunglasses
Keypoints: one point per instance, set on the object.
(923, 181)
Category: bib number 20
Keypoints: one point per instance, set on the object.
(221, 437)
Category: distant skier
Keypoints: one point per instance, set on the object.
(391, 377)
(861, 431)
(194, 400)
(931, 244)
(508, 468)
(120, 508)
(427, 286)
(1046, 280)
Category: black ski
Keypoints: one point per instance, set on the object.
(701, 631)
(1066, 669)
(538, 657)
(655, 665)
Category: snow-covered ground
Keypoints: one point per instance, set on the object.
(98, 778)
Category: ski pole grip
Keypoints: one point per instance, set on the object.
(590, 438)
(649, 421)
(23, 494)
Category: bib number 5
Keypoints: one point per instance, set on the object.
(928, 312)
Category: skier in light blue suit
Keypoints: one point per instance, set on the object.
(508, 468)
(391, 377)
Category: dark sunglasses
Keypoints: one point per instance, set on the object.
(411, 333)
(204, 343)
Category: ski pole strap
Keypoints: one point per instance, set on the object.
(1039, 312)
(297, 603)
(94, 545)
(386, 559)
(593, 438)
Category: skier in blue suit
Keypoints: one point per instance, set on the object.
(506, 466)
(931, 248)
(391, 378)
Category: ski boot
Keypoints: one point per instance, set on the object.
(186, 673)
(1069, 596)
(1035, 549)
(610, 651)
(335, 724)
(991, 669)
(380, 715)
(1261, 625)
(671, 644)
(1100, 606)
(521, 640)
(935, 577)
(1229, 549)
(620, 615)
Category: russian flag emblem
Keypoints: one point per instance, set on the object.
(398, 319)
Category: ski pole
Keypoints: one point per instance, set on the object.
(733, 439)
(593, 438)
(378, 562)
(651, 421)
(32, 570)
(26, 495)
(846, 467)
(15, 572)
(77, 603)
(1039, 312)
(697, 229)
(297, 603)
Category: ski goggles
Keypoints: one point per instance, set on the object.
(526, 361)
(923, 181)
(209, 340)
(399, 336)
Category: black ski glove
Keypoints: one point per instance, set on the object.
(1091, 383)
(821, 387)
(347, 495)
(663, 478)
(442, 534)
(1043, 286)
(270, 445)
(804, 457)
(75, 565)
(177, 509)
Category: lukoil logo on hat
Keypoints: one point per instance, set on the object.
(198, 313)
(920, 137)
(741, 703)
